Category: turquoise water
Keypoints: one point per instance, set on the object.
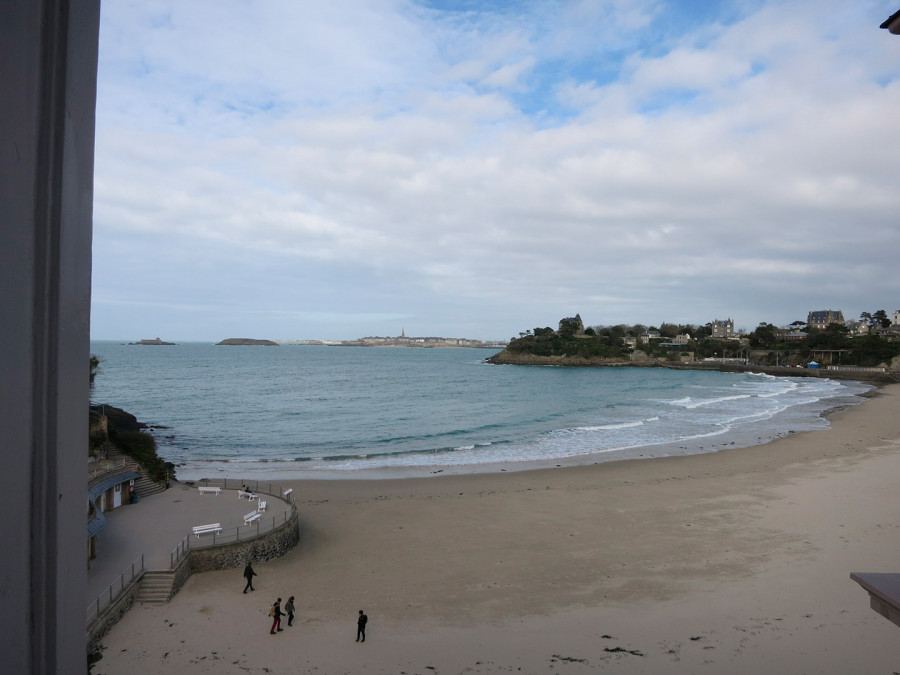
(296, 411)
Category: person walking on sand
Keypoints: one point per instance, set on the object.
(276, 615)
(289, 608)
(248, 575)
(361, 626)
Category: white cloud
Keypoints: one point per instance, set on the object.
(379, 160)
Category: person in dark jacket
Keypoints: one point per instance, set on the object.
(361, 626)
(248, 575)
(289, 608)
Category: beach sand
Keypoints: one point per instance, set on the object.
(733, 562)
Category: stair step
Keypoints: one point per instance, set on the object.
(156, 587)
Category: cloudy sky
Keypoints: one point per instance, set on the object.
(283, 169)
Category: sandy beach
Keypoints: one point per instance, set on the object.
(733, 562)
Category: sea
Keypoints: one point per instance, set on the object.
(316, 411)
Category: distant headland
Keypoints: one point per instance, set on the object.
(404, 341)
(830, 353)
(248, 342)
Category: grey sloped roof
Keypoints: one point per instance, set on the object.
(823, 314)
(102, 486)
(96, 524)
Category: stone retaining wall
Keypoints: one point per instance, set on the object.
(112, 615)
(182, 574)
(267, 546)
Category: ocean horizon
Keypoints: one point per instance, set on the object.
(305, 411)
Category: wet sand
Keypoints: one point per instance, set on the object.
(736, 562)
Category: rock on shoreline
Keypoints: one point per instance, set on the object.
(524, 359)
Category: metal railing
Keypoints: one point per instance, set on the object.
(107, 466)
(179, 552)
(856, 369)
(242, 532)
(273, 489)
(261, 525)
(115, 589)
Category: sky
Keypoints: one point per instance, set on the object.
(304, 170)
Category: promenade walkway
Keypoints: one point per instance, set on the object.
(158, 523)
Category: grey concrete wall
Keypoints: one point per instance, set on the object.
(48, 72)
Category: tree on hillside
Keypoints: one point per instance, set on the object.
(669, 330)
(875, 320)
(764, 337)
(871, 350)
(636, 330)
(833, 337)
(881, 319)
(95, 367)
(572, 325)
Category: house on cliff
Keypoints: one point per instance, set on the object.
(821, 319)
(722, 329)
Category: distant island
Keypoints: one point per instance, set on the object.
(248, 342)
(155, 341)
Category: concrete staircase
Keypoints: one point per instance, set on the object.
(143, 486)
(156, 587)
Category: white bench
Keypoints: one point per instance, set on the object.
(262, 506)
(250, 517)
(214, 490)
(206, 529)
(248, 495)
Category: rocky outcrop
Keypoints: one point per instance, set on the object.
(128, 436)
(248, 342)
(118, 418)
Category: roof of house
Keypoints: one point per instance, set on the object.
(892, 23)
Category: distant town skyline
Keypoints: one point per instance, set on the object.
(289, 170)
